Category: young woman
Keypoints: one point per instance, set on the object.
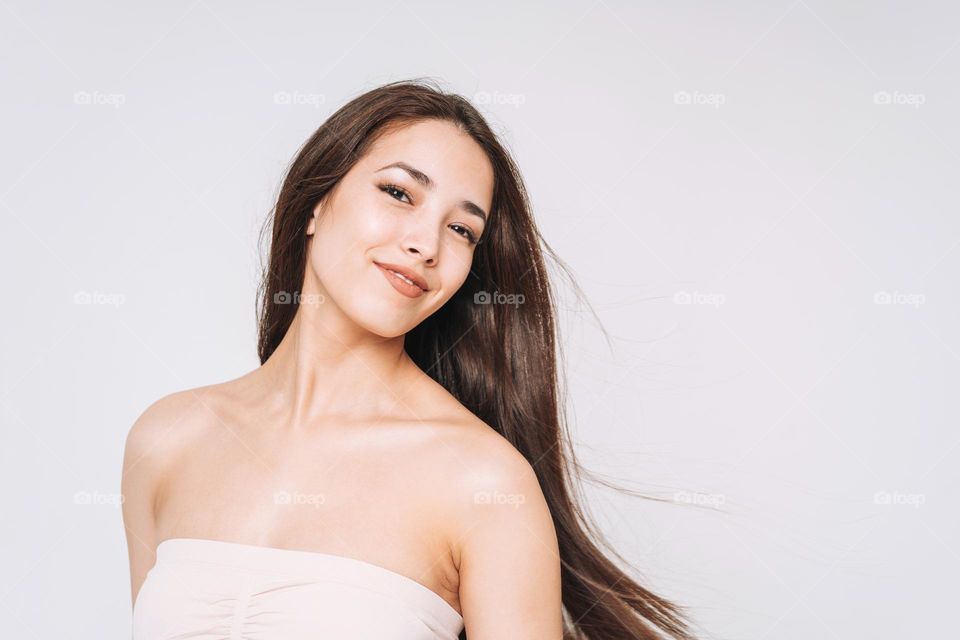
(398, 466)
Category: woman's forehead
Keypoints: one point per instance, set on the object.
(439, 150)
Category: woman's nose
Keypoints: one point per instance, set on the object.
(423, 241)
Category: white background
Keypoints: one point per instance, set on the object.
(732, 239)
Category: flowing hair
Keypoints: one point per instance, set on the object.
(499, 361)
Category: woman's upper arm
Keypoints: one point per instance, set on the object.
(144, 460)
(509, 561)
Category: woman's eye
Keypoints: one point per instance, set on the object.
(392, 190)
(399, 193)
(467, 233)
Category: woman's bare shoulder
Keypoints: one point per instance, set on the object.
(169, 423)
(164, 429)
(471, 459)
(478, 456)
(482, 484)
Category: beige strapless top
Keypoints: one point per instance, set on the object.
(213, 590)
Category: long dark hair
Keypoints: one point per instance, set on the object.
(500, 361)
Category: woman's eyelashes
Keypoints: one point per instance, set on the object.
(388, 188)
(398, 193)
(467, 233)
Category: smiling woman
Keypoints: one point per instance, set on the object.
(409, 207)
(398, 465)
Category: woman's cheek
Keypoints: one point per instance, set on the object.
(377, 224)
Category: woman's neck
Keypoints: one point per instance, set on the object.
(319, 371)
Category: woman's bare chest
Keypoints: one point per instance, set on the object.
(342, 499)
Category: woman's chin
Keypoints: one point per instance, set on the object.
(384, 323)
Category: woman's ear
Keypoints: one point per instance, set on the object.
(312, 223)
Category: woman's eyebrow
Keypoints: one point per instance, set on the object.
(425, 181)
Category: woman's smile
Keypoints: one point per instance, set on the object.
(401, 283)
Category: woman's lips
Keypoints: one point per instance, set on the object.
(404, 287)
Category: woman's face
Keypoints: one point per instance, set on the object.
(417, 202)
